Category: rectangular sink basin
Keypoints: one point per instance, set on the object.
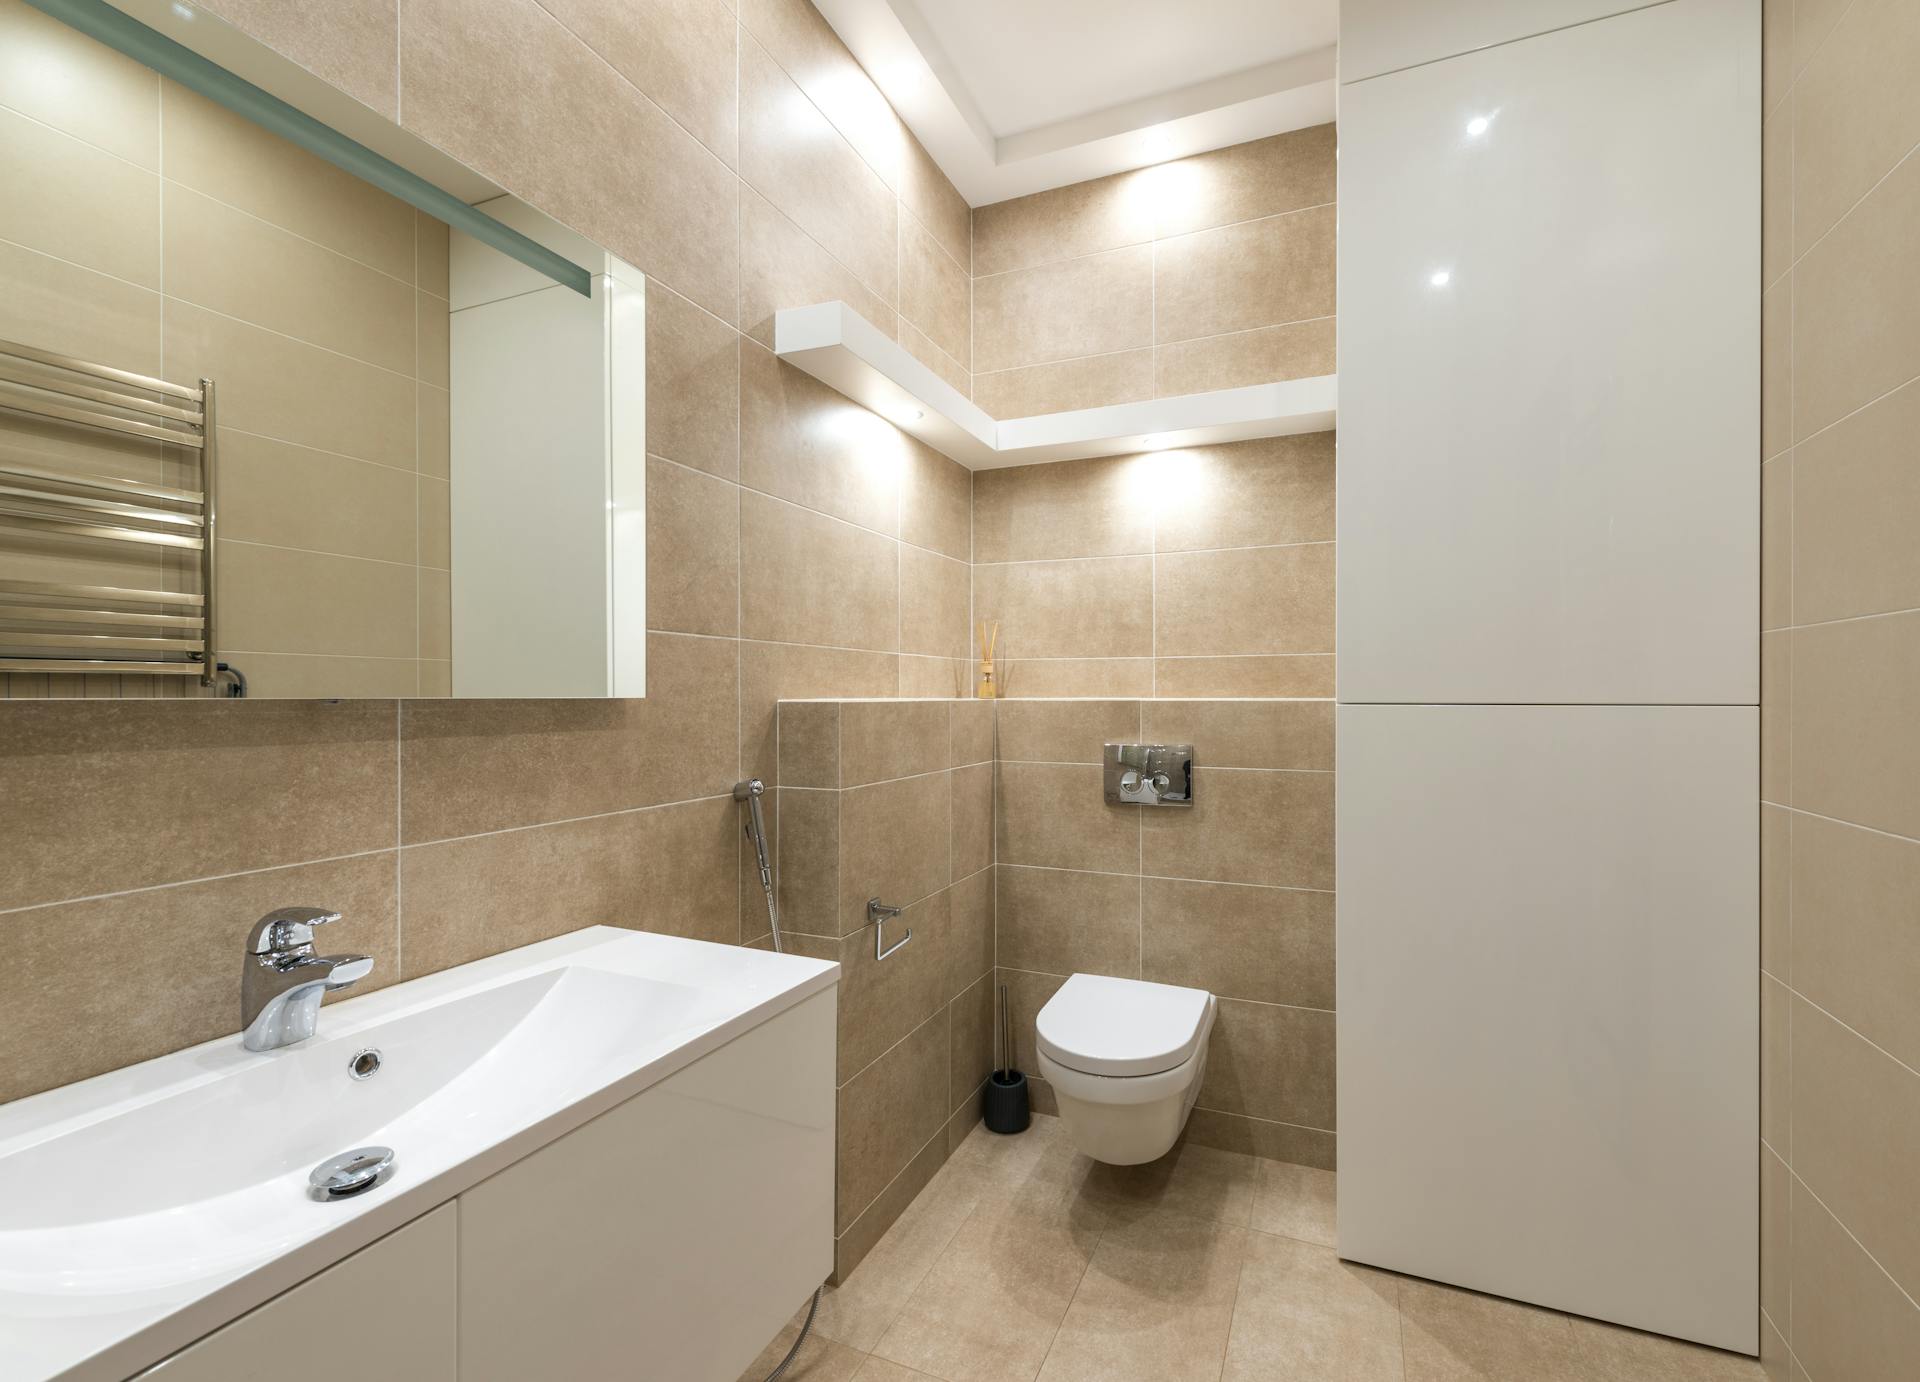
(146, 1206)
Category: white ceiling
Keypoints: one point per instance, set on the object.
(1013, 96)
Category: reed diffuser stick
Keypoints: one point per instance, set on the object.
(989, 635)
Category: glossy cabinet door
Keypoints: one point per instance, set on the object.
(1549, 367)
(672, 1236)
(1548, 1006)
(386, 1314)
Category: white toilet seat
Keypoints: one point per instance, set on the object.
(1101, 1025)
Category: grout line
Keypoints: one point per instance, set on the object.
(193, 882)
(1800, 1181)
(1154, 240)
(1839, 820)
(1163, 878)
(1135, 350)
(1176, 552)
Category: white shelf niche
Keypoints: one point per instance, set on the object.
(843, 350)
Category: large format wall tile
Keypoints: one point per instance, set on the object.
(1855, 949)
(1258, 273)
(1060, 921)
(1856, 307)
(567, 759)
(78, 202)
(1855, 506)
(1856, 112)
(1854, 734)
(351, 44)
(1245, 182)
(935, 292)
(1086, 508)
(1293, 350)
(888, 1112)
(693, 385)
(806, 578)
(806, 443)
(1093, 381)
(1856, 1138)
(782, 266)
(794, 157)
(94, 791)
(1055, 815)
(674, 214)
(102, 96)
(1273, 945)
(1079, 609)
(1245, 600)
(1271, 1062)
(63, 1021)
(811, 54)
(680, 52)
(1245, 826)
(1089, 306)
(1069, 222)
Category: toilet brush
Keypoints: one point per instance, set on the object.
(1006, 1098)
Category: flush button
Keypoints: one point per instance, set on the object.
(1149, 774)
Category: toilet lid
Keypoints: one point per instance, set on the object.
(1104, 1026)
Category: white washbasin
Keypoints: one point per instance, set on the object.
(144, 1207)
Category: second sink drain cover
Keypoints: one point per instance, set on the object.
(350, 1173)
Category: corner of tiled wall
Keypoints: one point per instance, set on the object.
(1840, 690)
(893, 799)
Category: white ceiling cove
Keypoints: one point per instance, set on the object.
(1014, 96)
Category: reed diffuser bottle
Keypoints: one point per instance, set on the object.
(987, 688)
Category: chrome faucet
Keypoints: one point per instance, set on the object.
(282, 981)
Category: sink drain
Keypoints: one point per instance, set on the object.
(365, 1064)
(351, 1173)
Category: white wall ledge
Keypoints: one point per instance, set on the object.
(839, 347)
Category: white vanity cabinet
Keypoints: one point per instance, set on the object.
(671, 1237)
(668, 1238)
(386, 1314)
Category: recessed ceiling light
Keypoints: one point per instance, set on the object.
(1441, 278)
(1478, 125)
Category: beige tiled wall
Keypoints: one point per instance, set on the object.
(894, 799)
(1840, 692)
(1233, 894)
(797, 546)
(1203, 273)
(1202, 572)
(187, 242)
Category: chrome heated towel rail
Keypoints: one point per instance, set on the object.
(57, 626)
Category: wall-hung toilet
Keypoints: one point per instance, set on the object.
(1125, 1059)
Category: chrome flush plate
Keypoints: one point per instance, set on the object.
(1149, 774)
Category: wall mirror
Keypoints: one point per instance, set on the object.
(291, 404)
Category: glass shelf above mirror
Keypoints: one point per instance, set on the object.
(291, 404)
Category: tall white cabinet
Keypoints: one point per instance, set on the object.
(1548, 652)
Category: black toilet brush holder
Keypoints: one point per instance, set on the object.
(1007, 1109)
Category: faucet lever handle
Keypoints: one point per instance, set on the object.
(286, 928)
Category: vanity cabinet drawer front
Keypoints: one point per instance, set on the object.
(670, 1237)
(386, 1314)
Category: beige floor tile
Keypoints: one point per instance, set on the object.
(860, 1309)
(1200, 1182)
(1295, 1202)
(1304, 1315)
(820, 1359)
(1156, 1304)
(1462, 1336)
(882, 1370)
(989, 1308)
(1609, 1353)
